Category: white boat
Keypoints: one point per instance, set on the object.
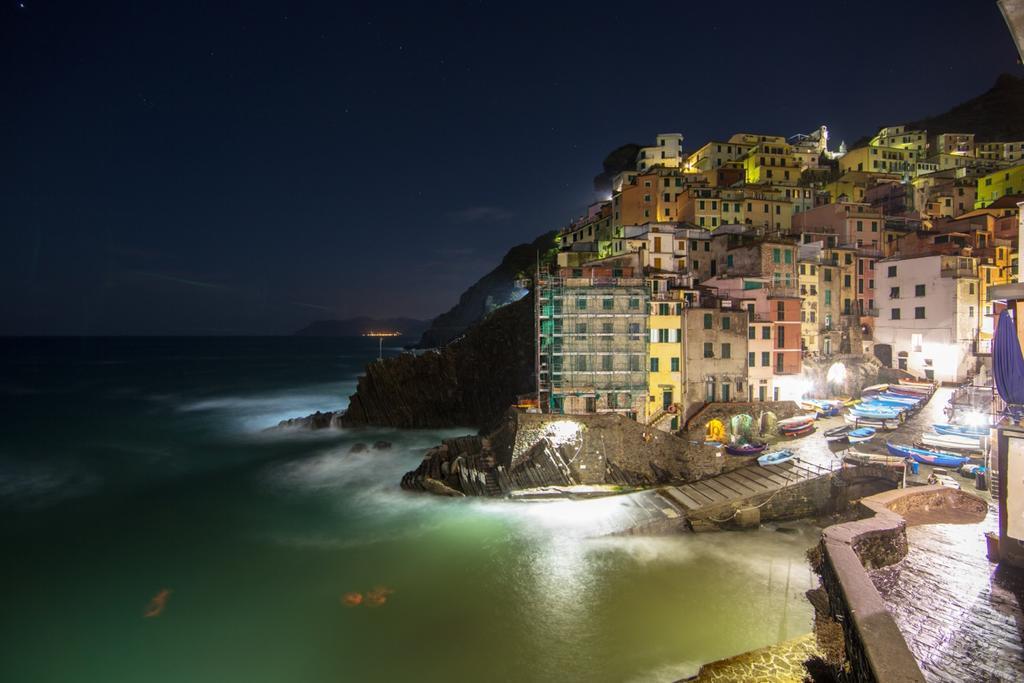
(945, 441)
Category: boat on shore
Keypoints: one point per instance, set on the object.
(802, 431)
(951, 441)
(886, 424)
(861, 434)
(839, 433)
(961, 430)
(775, 457)
(927, 456)
(796, 422)
(861, 458)
(745, 448)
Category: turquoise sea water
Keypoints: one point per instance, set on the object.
(129, 466)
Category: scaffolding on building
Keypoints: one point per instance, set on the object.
(592, 344)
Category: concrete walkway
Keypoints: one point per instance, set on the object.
(961, 618)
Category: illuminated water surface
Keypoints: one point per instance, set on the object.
(129, 467)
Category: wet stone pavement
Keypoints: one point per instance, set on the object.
(960, 615)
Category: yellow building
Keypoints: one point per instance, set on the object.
(715, 154)
(878, 160)
(771, 162)
(809, 304)
(667, 152)
(898, 137)
(1001, 183)
(665, 351)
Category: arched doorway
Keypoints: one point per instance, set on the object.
(883, 352)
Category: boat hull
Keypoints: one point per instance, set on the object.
(927, 456)
(775, 457)
(746, 449)
(960, 430)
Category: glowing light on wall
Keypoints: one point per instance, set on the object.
(792, 388)
(836, 374)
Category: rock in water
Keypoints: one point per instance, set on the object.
(357, 447)
(382, 445)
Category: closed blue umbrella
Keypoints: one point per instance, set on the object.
(1007, 361)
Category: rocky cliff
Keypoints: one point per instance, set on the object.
(490, 292)
(470, 382)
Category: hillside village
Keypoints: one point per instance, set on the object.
(716, 275)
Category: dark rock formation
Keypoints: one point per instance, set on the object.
(357, 448)
(490, 292)
(620, 159)
(318, 420)
(469, 383)
(530, 450)
(353, 327)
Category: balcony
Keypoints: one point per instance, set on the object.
(873, 312)
(782, 292)
(959, 272)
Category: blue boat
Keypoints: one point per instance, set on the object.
(876, 412)
(860, 435)
(896, 398)
(960, 430)
(775, 457)
(927, 456)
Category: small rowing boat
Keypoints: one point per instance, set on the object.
(839, 433)
(951, 441)
(927, 456)
(861, 434)
(775, 457)
(961, 430)
(793, 423)
(745, 448)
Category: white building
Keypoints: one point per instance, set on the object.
(928, 315)
(667, 152)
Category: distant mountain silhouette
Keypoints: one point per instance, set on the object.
(353, 327)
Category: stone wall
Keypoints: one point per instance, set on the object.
(808, 498)
(875, 647)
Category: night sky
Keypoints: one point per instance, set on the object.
(245, 168)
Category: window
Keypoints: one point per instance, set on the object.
(726, 322)
(776, 256)
(971, 288)
(662, 308)
(654, 365)
(828, 297)
(634, 330)
(728, 260)
(919, 312)
(581, 329)
(707, 321)
(674, 364)
(606, 363)
(780, 337)
(827, 273)
(918, 290)
(634, 304)
(663, 336)
(894, 292)
(780, 310)
(766, 358)
(709, 350)
(751, 358)
(581, 363)
(607, 304)
(726, 350)
(766, 332)
(892, 271)
(970, 310)
(788, 255)
(846, 281)
(894, 314)
(606, 328)
(581, 304)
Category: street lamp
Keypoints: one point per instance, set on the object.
(380, 339)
